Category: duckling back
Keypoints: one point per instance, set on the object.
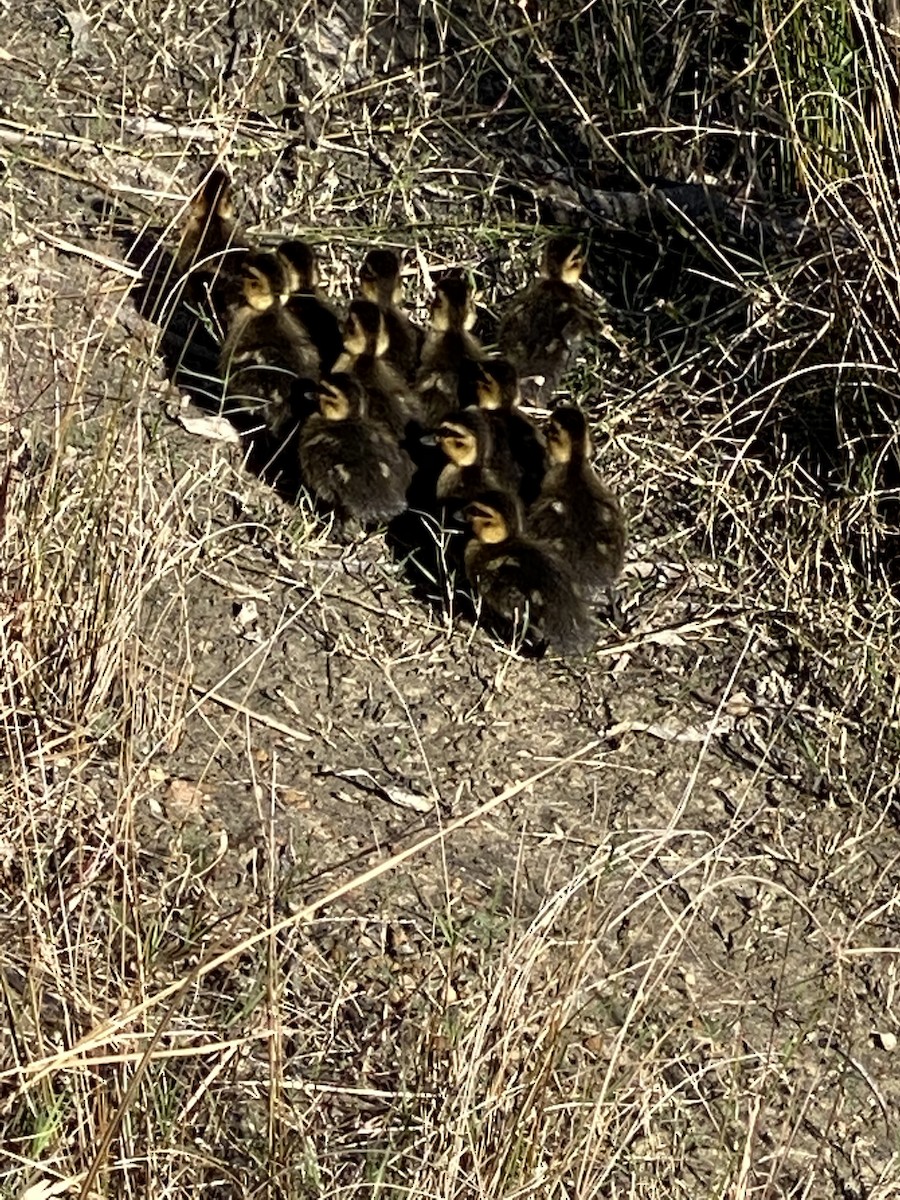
(307, 305)
(543, 324)
(353, 463)
(379, 281)
(576, 513)
(265, 352)
(210, 252)
(526, 584)
(363, 357)
(583, 521)
(522, 581)
(516, 436)
(451, 354)
(540, 332)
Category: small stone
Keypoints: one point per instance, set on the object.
(885, 1040)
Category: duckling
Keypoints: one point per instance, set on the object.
(366, 342)
(544, 322)
(306, 303)
(497, 392)
(379, 281)
(266, 353)
(351, 461)
(576, 513)
(521, 579)
(210, 249)
(475, 463)
(451, 353)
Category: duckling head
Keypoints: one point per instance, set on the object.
(453, 306)
(214, 197)
(366, 331)
(568, 437)
(494, 517)
(458, 443)
(379, 278)
(300, 266)
(263, 281)
(465, 438)
(498, 385)
(341, 397)
(563, 259)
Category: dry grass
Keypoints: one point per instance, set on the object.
(625, 928)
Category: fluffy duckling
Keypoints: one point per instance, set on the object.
(497, 392)
(475, 463)
(366, 342)
(210, 249)
(576, 513)
(521, 579)
(379, 282)
(544, 322)
(451, 353)
(351, 461)
(307, 304)
(266, 352)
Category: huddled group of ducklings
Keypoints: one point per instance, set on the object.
(394, 419)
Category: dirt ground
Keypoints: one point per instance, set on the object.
(701, 833)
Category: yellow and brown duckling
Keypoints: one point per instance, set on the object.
(543, 323)
(350, 461)
(451, 354)
(475, 463)
(522, 580)
(211, 250)
(266, 353)
(576, 513)
(379, 282)
(366, 342)
(497, 393)
(307, 304)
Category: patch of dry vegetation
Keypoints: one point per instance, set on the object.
(308, 891)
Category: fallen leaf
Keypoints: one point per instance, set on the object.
(186, 796)
(80, 27)
(666, 637)
(738, 705)
(217, 429)
(402, 797)
(44, 1189)
(671, 733)
(294, 798)
(246, 614)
